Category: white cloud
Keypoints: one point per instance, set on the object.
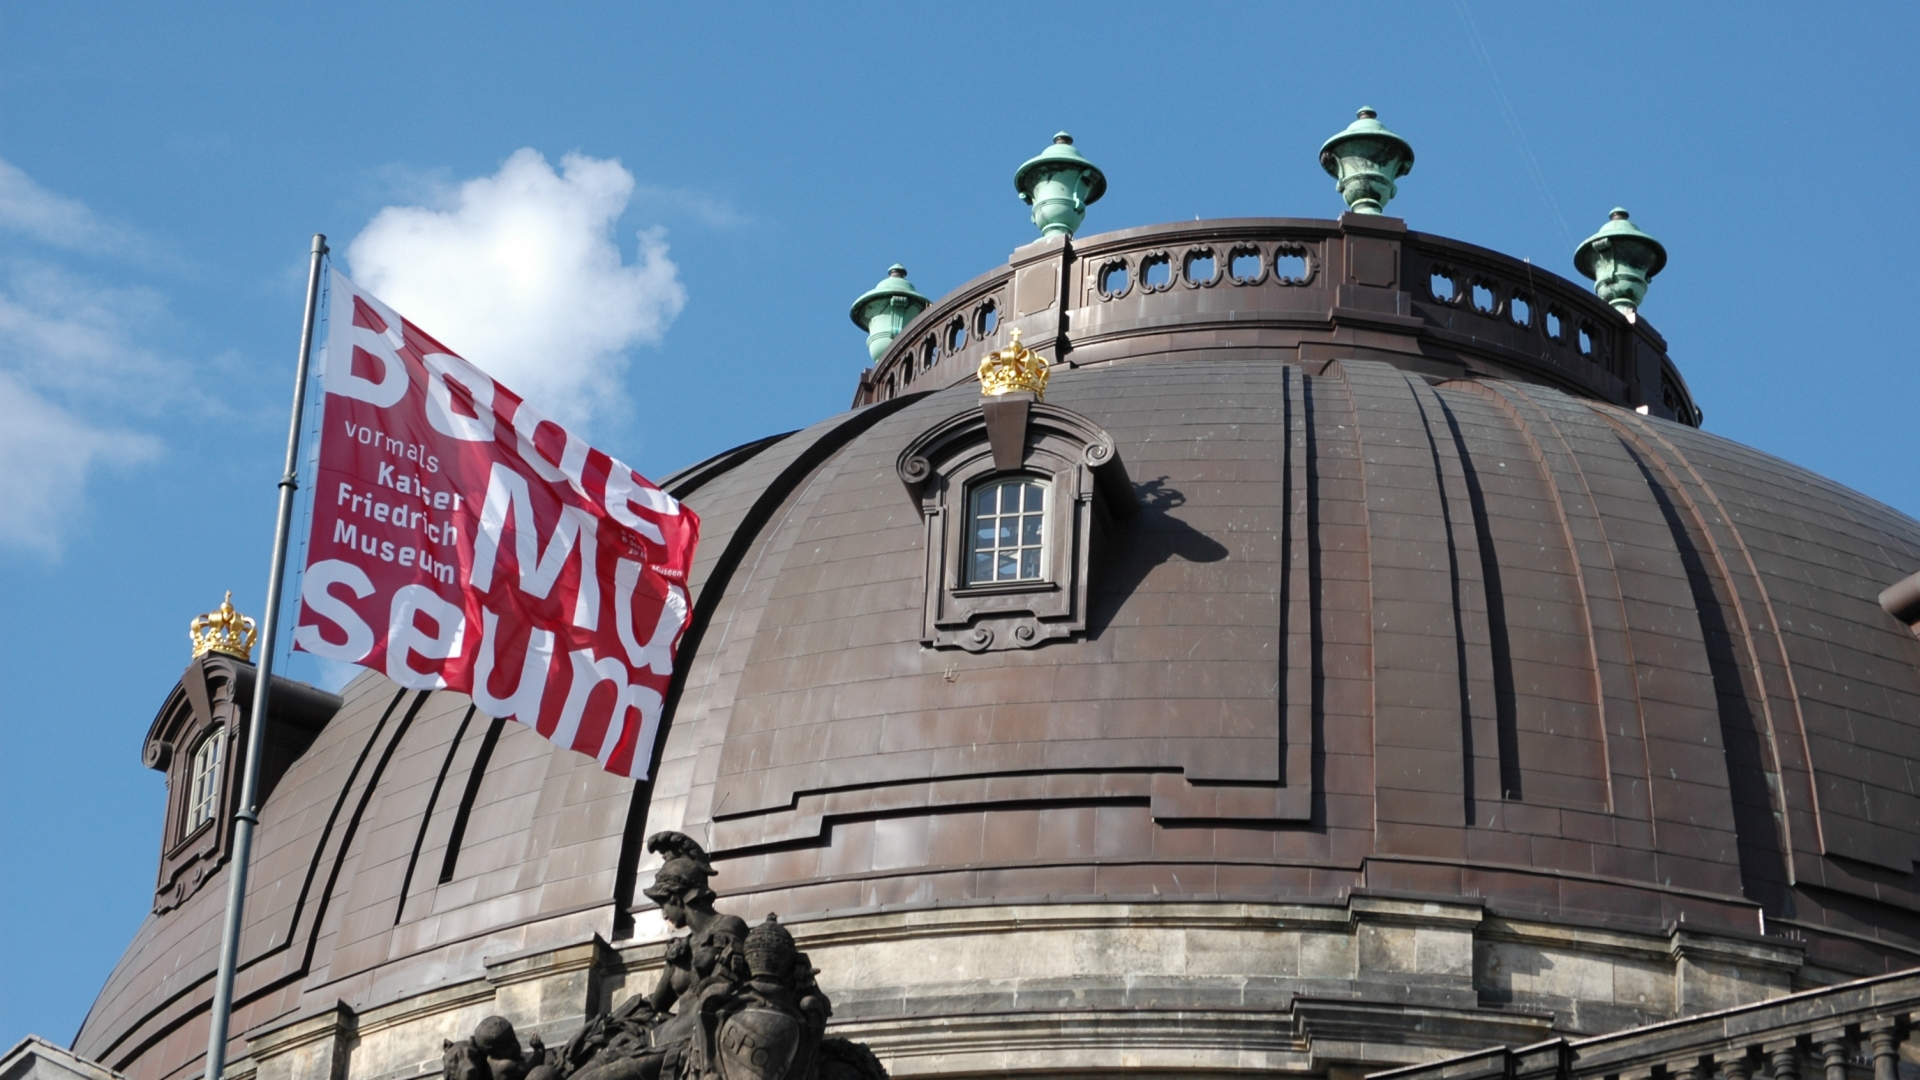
(73, 370)
(520, 273)
(29, 209)
(47, 455)
(63, 335)
(69, 364)
(711, 212)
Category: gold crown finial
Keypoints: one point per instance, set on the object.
(1015, 367)
(223, 630)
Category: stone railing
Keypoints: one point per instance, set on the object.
(1288, 288)
(945, 343)
(1829, 1034)
(1506, 305)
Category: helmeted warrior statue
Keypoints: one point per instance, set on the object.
(732, 1004)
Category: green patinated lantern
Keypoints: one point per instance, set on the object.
(1364, 161)
(1060, 184)
(1621, 260)
(884, 310)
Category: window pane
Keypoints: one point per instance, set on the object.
(203, 792)
(1008, 526)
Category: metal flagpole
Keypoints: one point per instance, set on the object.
(246, 817)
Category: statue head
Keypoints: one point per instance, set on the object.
(463, 1061)
(680, 885)
(495, 1037)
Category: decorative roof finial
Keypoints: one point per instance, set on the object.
(1364, 161)
(1059, 184)
(1621, 260)
(1015, 367)
(223, 630)
(884, 310)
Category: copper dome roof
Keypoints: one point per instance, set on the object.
(1382, 621)
(1514, 644)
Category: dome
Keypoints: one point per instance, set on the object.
(1401, 656)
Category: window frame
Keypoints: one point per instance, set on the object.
(998, 482)
(1087, 489)
(211, 701)
(1003, 614)
(206, 705)
(209, 795)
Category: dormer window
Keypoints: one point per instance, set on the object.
(1009, 531)
(206, 718)
(1017, 496)
(203, 799)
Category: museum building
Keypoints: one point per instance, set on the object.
(1249, 646)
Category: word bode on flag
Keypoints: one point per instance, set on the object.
(463, 541)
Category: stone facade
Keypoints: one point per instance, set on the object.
(1203, 989)
(34, 1058)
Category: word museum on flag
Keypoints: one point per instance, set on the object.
(463, 541)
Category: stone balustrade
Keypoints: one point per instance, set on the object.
(1834, 1033)
(1307, 290)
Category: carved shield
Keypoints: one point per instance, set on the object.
(758, 1044)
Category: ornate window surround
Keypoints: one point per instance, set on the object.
(1088, 491)
(212, 698)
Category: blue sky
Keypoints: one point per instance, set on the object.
(700, 194)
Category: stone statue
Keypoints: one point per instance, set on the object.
(731, 1004)
(494, 1054)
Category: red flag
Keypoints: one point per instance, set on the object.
(463, 541)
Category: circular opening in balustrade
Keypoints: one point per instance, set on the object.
(1156, 272)
(1520, 310)
(1483, 298)
(956, 336)
(1556, 325)
(1200, 267)
(986, 319)
(1290, 265)
(929, 352)
(1243, 265)
(1586, 341)
(1442, 286)
(1114, 280)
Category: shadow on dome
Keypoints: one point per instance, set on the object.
(1150, 539)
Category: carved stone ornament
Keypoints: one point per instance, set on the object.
(1087, 488)
(731, 1004)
